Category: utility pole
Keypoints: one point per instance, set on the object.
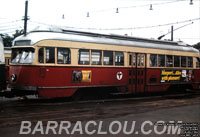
(26, 17)
(172, 33)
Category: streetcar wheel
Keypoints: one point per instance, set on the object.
(77, 96)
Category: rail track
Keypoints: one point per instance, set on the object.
(12, 113)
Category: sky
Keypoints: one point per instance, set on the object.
(133, 18)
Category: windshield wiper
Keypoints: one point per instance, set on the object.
(26, 56)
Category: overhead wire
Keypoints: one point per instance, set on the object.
(15, 28)
(137, 6)
(142, 27)
(9, 32)
(10, 22)
(10, 26)
(131, 28)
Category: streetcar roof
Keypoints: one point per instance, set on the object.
(88, 37)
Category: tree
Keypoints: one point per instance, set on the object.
(197, 46)
(18, 33)
(7, 40)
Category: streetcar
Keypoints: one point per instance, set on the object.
(2, 67)
(7, 54)
(66, 63)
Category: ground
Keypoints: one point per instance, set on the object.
(101, 117)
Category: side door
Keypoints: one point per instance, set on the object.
(132, 72)
(140, 72)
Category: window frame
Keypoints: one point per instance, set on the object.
(110, 61)
(130, 59)
(23, 55)
(161, 61)
(175, 65)
(79, 57)
(155, 61)
(167, 61)
(197, 62)
(54, 59)
(185, 61)
(43, 56)
(68, 61)
(119, 60)
(100, 57)
(188, 62)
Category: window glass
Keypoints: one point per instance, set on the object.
(63, 56)
(161, 60)
(23, 55)
(84, 57)
(50, 55)
(41, 55)
(130, 60)
(108, 58)
(119, 58)
(16, 54)
(176, 61)
(96, 57)
(169, 61)
(153, 60)
(183, 61)
(27, 57)
(134, 61)
(22, 43)
(190, 62)
(197, 62)
(138, 60)
(142, 60)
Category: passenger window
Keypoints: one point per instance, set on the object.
(161, 60)
(63, 56)
(41, 55)
(134, 61)
(138, 60)
(169, 61)
(197, 62)
(108, 58)
(153, 60)
(183, 61)
(50, 55)
(142, 60)
(190, 62)
(130, 60)
(96, 57)
(119, 58)
(176, 61)
(84, 57)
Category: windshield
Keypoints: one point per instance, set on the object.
(23, 55)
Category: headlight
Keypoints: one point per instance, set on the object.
(13, 77)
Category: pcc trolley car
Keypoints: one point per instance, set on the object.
(2, 67)
(60, 64)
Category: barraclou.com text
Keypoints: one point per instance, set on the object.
(100, 127)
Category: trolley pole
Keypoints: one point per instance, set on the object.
(26, 17)
(172, 33)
